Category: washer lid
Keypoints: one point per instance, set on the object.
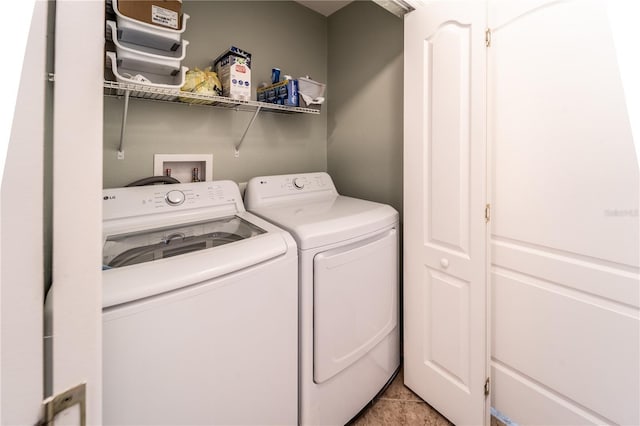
(316, 223)
(159, 243)
(147, 279)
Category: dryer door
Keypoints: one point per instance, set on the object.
(355, 294)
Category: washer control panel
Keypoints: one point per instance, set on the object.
(144, 200)
(175, 197)
(298, 183)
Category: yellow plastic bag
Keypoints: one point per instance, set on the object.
(204, 82)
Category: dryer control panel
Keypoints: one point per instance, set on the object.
(267, 190)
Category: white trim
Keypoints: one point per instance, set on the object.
(76, 293)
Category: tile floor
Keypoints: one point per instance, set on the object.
(398, 405)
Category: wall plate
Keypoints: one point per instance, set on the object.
(184, 167)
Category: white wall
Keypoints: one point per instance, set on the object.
(280, 34)
(21, 264)
(565, 229)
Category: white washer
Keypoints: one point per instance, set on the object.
(348, 252)
(200, 309)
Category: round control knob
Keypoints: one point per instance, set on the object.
(174, 198)
(444, 263)
(298, 183)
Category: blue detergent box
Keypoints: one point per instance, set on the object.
(282, 93)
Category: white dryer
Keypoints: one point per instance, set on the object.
(199, 309)
(348, 277)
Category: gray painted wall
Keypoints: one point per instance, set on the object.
(365, 92)
(278, 34)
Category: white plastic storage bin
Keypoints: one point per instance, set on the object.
(133, 31)
(146, 59)
(161, 81)
(310, 93)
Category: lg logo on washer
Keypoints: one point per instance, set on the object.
(109, 197)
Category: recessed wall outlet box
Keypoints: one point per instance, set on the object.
(184, 167)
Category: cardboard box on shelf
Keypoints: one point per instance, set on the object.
(162, 13)
(233, 67)
(282, 93)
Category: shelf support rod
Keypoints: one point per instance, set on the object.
(237, 153)
(125, 111)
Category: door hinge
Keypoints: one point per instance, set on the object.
(487, 387)
(51, 77)
(55, 404)
(487, 37)
(487, 213)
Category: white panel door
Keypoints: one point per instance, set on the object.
(565, 240)
(21, 216)
(77, 175)
(444, 212)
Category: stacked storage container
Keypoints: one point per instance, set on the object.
(147, 36)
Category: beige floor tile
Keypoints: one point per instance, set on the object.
(383, 412)
(388, 412)
(397, 390)
(398, 405)
(420, 413)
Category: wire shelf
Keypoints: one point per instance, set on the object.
(140, 91)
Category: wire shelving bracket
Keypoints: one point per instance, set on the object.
(139, 91)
